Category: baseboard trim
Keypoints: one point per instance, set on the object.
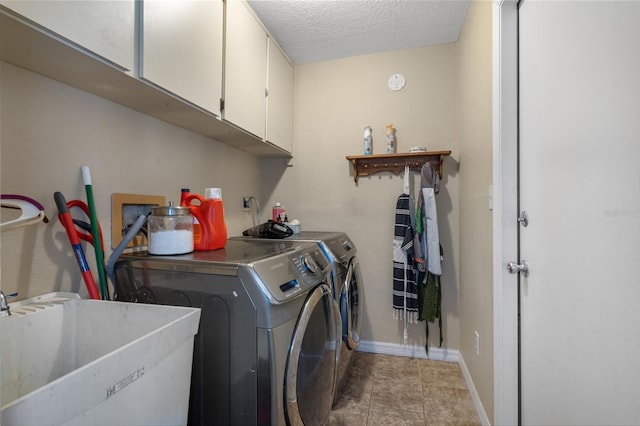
(484, 419)
(437, 354)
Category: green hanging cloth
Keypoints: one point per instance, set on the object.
(430, 303)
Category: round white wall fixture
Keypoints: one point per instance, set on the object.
(396, 82)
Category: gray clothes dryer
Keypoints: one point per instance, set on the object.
(265, 353)
(347, 289)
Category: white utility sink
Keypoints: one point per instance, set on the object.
(72, 361)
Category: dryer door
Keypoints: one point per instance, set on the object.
(351, 300)
(311, 364)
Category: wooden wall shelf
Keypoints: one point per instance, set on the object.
(366, 165)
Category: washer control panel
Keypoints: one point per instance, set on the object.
(311, 265)
(307, 267)
(342, 248)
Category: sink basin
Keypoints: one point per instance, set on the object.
(72, 361)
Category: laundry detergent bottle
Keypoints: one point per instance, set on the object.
(184, 194)
(210, 215)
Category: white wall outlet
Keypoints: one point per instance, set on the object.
(477, 343)
(246, 203)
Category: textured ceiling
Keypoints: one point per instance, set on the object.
(318, 30)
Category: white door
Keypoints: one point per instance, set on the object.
(106, 28)
(182, 49)
(579, 153)
(245, 69)
(280, 82)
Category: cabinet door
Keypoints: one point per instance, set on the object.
(279, 99)
(245, 70)
(182, 49)
(105, 27)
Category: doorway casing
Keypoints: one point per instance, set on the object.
(505, 225)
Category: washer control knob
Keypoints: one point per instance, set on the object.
(309, 264)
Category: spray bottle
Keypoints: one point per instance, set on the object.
(368, 150)
(390, 138)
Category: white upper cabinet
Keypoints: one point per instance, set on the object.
(105, 27)
(181, 49)
(170, 59)
(245, 70)
(258, 82)
(280, 99)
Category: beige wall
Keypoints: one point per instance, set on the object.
(49, 130)
(334, 101)
(475, 156)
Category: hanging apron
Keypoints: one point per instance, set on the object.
(405, 288)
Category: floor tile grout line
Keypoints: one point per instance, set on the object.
(370, 397)
(422, 396)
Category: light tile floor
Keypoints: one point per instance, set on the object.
(394, 390)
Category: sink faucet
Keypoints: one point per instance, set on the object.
(5, 311)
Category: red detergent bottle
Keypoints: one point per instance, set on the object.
(210, 216)
(184, 194)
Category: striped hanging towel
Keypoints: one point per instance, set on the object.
(405, 289)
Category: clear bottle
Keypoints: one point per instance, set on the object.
(390, 138)
(368, 141)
